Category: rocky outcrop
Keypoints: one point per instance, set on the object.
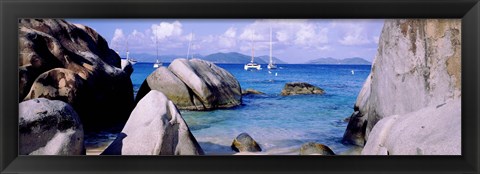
(417, 66)
(312, 148)
(296, 88)
(58, 60)
(250, 91)
(49, 127)
(245, 143)
(432, 130)
(194, 85)
(155, 127)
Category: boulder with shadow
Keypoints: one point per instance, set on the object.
(49, 127)
(155, 127)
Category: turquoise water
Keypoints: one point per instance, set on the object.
(280, 124)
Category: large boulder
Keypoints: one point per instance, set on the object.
(57, 84)
(155, 127)
(434, 130)
(312, 148)
(49, 127)
(163, 80)
(194, 85)
(417, 66)
(296, 88)
(48, 44)
(245, 143)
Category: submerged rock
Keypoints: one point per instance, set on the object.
(245, 143)
(436, 129)
(155, 127)
(194, 85)
(417, 66)
(296, 88)
(312, 148)
(52, 47)
(49, 127)
(249, 91)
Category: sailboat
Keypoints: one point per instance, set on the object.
(252, 65)
(157, 62)
(270, 64)
(131, 60)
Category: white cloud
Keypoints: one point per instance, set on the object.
(164, 30)
(355, 32)
(228, 39)
(286, 32)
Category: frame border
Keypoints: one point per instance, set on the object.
(12, 10)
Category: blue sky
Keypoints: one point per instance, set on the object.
(294, 40)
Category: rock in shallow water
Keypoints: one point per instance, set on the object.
(155, 127)
(49, 127)
(249, 91)
(245, 143)
(296, 88)
(312, 148)
(194, 85)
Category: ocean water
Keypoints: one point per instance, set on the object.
(280, 124)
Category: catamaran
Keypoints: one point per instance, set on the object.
(270, 63)
(252, 65)
(157, 62)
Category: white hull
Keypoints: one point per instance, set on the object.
(156, 65)
(252, 67)
(271, 66)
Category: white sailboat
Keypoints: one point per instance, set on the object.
(270, 63)
(157, 62)
(131, 60)
(252, 65)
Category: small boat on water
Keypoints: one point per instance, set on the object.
(128, 58)
(252, 65)
(271, 65)
(157, 62)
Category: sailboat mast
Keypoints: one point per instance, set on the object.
(271, 61)
(189, 44)
(127, 48)
(253, 50)
(156, 41)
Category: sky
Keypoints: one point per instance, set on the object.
(293, 40)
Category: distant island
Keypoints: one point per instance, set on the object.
(223, 58)
(345, 61)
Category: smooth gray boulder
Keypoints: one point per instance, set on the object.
(155, 127)
(163, 80)
(297, 88)
(312, 148)
(245, 143)
(434, 130)
(194, 84)
(49, 127)
(417, 65)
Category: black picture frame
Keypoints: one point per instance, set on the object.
(11, 11)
